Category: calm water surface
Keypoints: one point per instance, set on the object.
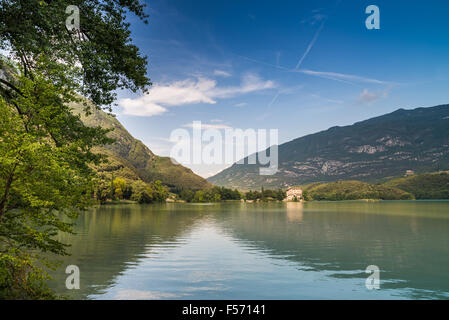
(260, 251)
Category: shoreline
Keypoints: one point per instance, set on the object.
(130, 202)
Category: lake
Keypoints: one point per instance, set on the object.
(315, 250)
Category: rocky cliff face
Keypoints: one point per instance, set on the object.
(370, 150)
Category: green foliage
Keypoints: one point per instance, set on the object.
(253, 195)
(102, 47)
(215, 194)
(265, 195)
(200, 197)
(424, 186)
(420, 186)
(160, 192)
(142, 193)
(306, 196)
(103, 191)
(187, 195)
(21, 278)
(122, 189)
(44, 176)
(353, 190)
(149, 193)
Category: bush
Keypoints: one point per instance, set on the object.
(149, 193)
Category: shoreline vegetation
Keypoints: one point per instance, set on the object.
(427, 186)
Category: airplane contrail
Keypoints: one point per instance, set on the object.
(309, 47)
(311, 44)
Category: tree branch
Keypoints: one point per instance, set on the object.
(6, 193)
(10, 85)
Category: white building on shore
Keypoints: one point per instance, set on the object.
(294, 193)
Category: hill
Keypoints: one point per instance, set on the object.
(379, 148)
(423, 186)
(353, 190)
(130, 159)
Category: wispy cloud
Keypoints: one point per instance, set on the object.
(276, 96)
(221, 73)
(287, 90)
(335, 76)
(250, 83)
(317, 96)
(349, 78)
(262, 62)
(241, 104)
(315, 18)
(190, 91)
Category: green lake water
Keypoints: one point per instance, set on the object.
(316, 250)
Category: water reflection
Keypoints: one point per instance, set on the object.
(279, 250)
(294, 211)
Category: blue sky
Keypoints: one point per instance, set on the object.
(296, 66)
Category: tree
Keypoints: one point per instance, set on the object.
(187, 195)
(306, 196)
(120, 187)
(142, 193)
(102, 191)
(40, 183)
(99, 55)
(46, 153)
(199, 196)
(281, 195)
(160, 192)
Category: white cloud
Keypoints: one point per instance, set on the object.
(242, 104)
(221, 73)
(190, 91)
(250, 83)
(368, 97)
(141, 107)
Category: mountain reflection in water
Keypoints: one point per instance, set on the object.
(260, 251)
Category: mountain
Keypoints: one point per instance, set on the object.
(129, 158)
(371, 150)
